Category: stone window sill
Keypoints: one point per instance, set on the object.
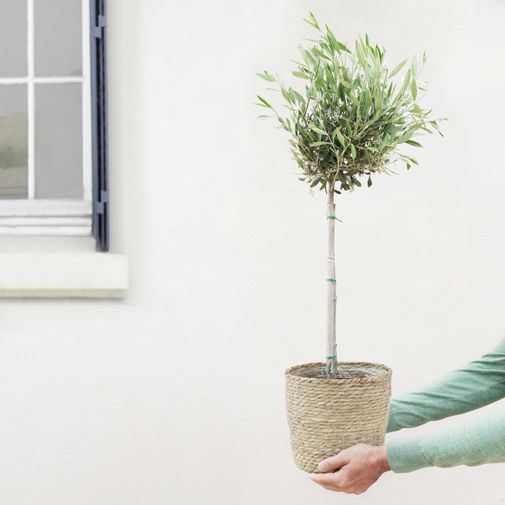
(70, 274)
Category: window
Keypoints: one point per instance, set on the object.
(53, 145)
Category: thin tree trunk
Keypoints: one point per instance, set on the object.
(331, 342)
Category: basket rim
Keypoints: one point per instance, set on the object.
(380, 378)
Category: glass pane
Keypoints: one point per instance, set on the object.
(58, 141)
(13, 141)
(13, 38)
(58, 38)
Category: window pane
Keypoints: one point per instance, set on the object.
(58, 38)
(58, 141)
(13, 38)
(13, 141)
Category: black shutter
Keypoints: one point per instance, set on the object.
(100, 227)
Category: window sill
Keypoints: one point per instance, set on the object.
(45, 218)
(63, 275)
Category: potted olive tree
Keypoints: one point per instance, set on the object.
(348, 120)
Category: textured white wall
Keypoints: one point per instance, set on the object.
(176, 394)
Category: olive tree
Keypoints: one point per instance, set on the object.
(347, 121)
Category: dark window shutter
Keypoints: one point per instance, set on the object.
(100, 226)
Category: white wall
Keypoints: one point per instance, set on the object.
(175, 396)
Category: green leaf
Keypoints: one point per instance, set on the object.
(337, 133)
(301, 75)
(369, 182)
(307, 57)
(353, 152)
(313, 127)
(266, 76)
(413, 143)
(406, 82)
(413, 88)
(263, 103)
(320, 143)
(397, 68)
(414, 66)
(312, 21)
(320, 54)
(334, 43)
(287, 95)
(297, 96)
(411, 160)
(342, 47)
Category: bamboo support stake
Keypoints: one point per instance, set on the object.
(331, 343)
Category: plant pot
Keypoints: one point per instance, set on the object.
(328, 415)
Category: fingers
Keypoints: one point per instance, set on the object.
(333, 463)
(326, 481)
(353, 470)
(332, 488)
(336, 482)
(323, 478)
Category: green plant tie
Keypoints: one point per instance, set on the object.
(332, 280)
(335, 218)
(331, 356)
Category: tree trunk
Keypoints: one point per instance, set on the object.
(331, 342)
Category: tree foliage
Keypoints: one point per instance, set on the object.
(353, 115)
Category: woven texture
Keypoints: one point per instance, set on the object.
(326, 416)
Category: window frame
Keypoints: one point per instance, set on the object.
(99, 116)
(69, 217)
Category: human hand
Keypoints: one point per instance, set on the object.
(352, 470)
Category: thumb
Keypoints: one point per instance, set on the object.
(333, 463)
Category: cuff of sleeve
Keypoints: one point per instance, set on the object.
(405, 455)
(392, 423)
(395, 416)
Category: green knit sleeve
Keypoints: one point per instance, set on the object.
(479, 383)
(473, 443)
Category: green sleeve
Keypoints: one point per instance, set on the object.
(479, 383)
(474, 443)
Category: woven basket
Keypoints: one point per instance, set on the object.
(326, 416)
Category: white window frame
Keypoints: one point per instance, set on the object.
(31, 216)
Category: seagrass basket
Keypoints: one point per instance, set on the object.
(328, 415)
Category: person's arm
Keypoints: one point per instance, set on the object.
(478, 383)
(355, 469)
(473, 443)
